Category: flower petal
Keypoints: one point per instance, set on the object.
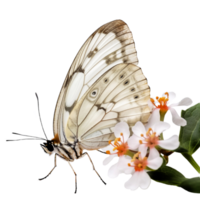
(154, 160)
(159, 127)
(120, 167)
(176, 118)
(139, 129)
(108, 159)
(114, 171)
(153, 153)
(134, 182)
(145, 180)
(154, 118)
(123, 165)
(174, 104)
(151, 106)
(143, 150)
(122, 127)
(185, 101)
(133, 142)
(170, 144)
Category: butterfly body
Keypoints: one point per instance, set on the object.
(103, 86)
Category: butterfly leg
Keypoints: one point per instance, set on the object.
(94, 168)
(75, 177)
(51, 170)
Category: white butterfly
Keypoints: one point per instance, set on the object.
(104, 86)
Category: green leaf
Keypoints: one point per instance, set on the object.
(190, 134)
(191, 185)
(167, 175)
(180, 150)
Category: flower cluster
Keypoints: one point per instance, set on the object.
(139, 151)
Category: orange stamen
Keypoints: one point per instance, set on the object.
(162, 102)
(139, 163)
(119, 145)
(107, 152)
(151, 140)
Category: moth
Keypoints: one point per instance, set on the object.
(103, 86)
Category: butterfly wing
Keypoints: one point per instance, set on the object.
(121, 94)
(108, 46)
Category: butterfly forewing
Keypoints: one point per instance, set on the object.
(94, 119)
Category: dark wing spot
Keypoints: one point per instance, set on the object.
(132, 89)
(105, 80)
(125, 60)
(94, 93)
(99, 107)
(95, 50)
(110, 58)
(90, 54)
(126, 82)
(136, 97)
(108, 61)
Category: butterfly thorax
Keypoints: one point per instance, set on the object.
(68, 151)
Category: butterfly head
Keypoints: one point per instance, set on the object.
(48, 147)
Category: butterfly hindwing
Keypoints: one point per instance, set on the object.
(121, 94)
(108, 46)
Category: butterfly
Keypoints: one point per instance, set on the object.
(103, 86)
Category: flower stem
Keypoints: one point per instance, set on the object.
(191, 160)
(163, 116)
(130, 153)
(161, 136)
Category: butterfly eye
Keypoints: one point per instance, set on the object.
(50, 147)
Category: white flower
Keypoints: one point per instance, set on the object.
(147, 136)
(119, 148)
(140, 178)
(164, 106)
